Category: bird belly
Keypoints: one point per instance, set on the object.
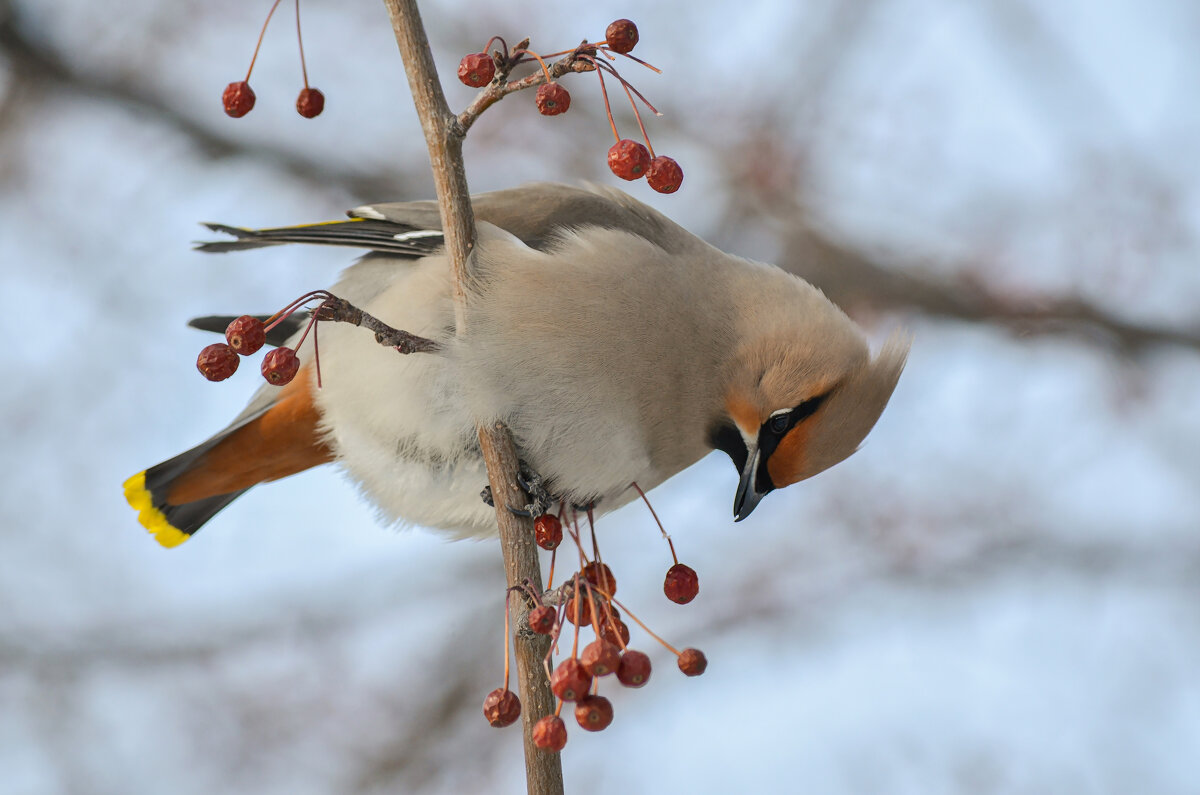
(398, 424)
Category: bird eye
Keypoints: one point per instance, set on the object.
(779, 422)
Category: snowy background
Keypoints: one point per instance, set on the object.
(999, 594)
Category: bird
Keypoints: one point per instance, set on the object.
(616, 346)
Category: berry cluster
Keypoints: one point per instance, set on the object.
(245, 335)
(238, 98)
(586, 600)
(627, 158)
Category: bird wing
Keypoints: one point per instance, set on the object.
(536, 214)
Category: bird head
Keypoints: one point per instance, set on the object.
(801, 393)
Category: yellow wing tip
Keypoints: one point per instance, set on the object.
(151, 518)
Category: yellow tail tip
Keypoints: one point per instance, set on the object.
(151, 518)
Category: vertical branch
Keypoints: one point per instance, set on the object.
(444, 137)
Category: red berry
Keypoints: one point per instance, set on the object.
(310, 103)
(600, 658)
(476, 70)
(279, 366)
(570, 680)
(601, 576)
(552, 99)
(541, 619)
(665, 175)
(246, 335)
(585, 611)
(501, 707)
(682, 584)
(634, 670)
(622, 35)
(692, 662)
(217, 361)
(547, 531)
(628, 159)
(594, 713)
(614, 631)
(550, 733)
(238, 99)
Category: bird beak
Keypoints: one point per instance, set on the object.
(748, 496)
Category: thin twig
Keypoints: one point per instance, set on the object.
(342, 311)
(497, 91)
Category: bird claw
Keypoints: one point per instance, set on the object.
(540, 500)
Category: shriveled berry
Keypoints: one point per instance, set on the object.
(628, 159)
(310, 103)
(634, 670)
(665, 175)
(550, 733)
(246, 334)
(279, 366)
(614, 631)
(692, 662)
(547, 531)
(570, 680)
(238, 99)
(217, 361)
(501, 707)
(594, 713)
(601, 576)
(681, 584)
(585, 611)
(476, 69)
(622, 35)
(552, 99)
(541, 619)
(600, 658)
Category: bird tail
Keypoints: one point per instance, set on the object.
(175, 498)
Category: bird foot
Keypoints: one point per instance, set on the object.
(540, 499)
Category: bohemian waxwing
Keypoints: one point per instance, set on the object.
(616, 346)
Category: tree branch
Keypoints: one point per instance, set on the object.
(851, 279)
(443, 135)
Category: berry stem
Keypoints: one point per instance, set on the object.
(560, 617)
(592, 529)
(553, 558)
(608, 613)
(503, 44)
(312, 321)
(261, 33)
(649, 631)
(628, 87)
(575, 643)
(317, 357)
(542, 63)
(507, 599)
(638, 116)
(635, 58)
(303, 68)
(275, 319)
(604, 91)
(661, 529)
